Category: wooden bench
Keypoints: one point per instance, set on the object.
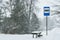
(37, 34)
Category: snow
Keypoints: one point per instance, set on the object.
(53, 35)
(36, 31)
(19, 37)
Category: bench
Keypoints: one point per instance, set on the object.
(37, 34)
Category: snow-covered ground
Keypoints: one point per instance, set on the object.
(19, 37)
(53, 35)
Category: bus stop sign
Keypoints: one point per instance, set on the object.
(46, 11)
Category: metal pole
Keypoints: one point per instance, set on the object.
(46, 25)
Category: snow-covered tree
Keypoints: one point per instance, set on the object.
(23, 19)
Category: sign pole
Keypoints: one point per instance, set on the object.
(46, 25)
(46, 13)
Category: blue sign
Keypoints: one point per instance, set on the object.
(46, 11)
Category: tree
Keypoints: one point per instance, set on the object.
(22, 20)
(56, 13)
(1, 15)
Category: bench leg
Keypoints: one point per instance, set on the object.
(36, 35)
(33, 35)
